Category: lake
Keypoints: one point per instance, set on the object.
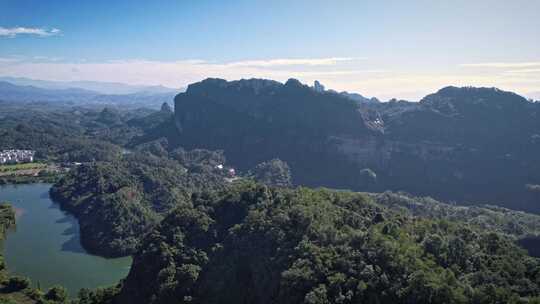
(45, 245)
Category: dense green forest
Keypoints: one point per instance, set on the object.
(75, 134)
(119, 201)
(514, 224)
(250, 243)
(255, 244)
(274, 172)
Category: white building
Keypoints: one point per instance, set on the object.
(16, 156)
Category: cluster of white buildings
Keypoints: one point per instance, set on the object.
(16, 156)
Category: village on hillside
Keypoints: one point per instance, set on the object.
(16, 156)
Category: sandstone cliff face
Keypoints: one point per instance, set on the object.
(376, 152)
(465, 144)
(258, 120)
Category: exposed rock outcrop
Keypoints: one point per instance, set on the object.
(465, 144)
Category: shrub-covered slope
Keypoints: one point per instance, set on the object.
(118, 202)
(254, 244)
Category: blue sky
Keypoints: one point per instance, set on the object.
(378, 48)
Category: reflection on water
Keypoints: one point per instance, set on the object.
(45, 245)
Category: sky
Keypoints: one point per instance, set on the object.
(387, 49)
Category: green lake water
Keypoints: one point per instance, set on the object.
(45, 244)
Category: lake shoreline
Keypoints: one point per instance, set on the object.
(28, 179)
(87, 242)
(63, 260)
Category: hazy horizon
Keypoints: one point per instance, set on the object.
(120, 88)
(386, 49)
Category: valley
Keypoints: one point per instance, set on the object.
(270, 152)
(154, 187)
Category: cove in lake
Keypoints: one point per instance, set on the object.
(45, 244)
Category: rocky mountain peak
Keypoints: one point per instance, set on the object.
(165, 107)
(318, 87)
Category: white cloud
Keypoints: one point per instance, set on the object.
(8, 60)
(533, 95)
(523, 71)
(15, 31)
(46, 58)
(336, 74)
(502, 65)
(290, 62)
(177, 73)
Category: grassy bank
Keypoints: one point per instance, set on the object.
(25, 166)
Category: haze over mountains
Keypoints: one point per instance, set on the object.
(534, 95)
(97, 86)
(83, 92)
(466, 144)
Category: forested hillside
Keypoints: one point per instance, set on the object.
(254, 244)
(117, 202)
(157, 185)
(471, 145)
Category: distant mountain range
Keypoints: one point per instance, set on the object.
(108, 88)
(464, 144)
(92, 92)
(26, 90)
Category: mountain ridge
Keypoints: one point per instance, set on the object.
(29, 93)
(453, 145)
(98, 86)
